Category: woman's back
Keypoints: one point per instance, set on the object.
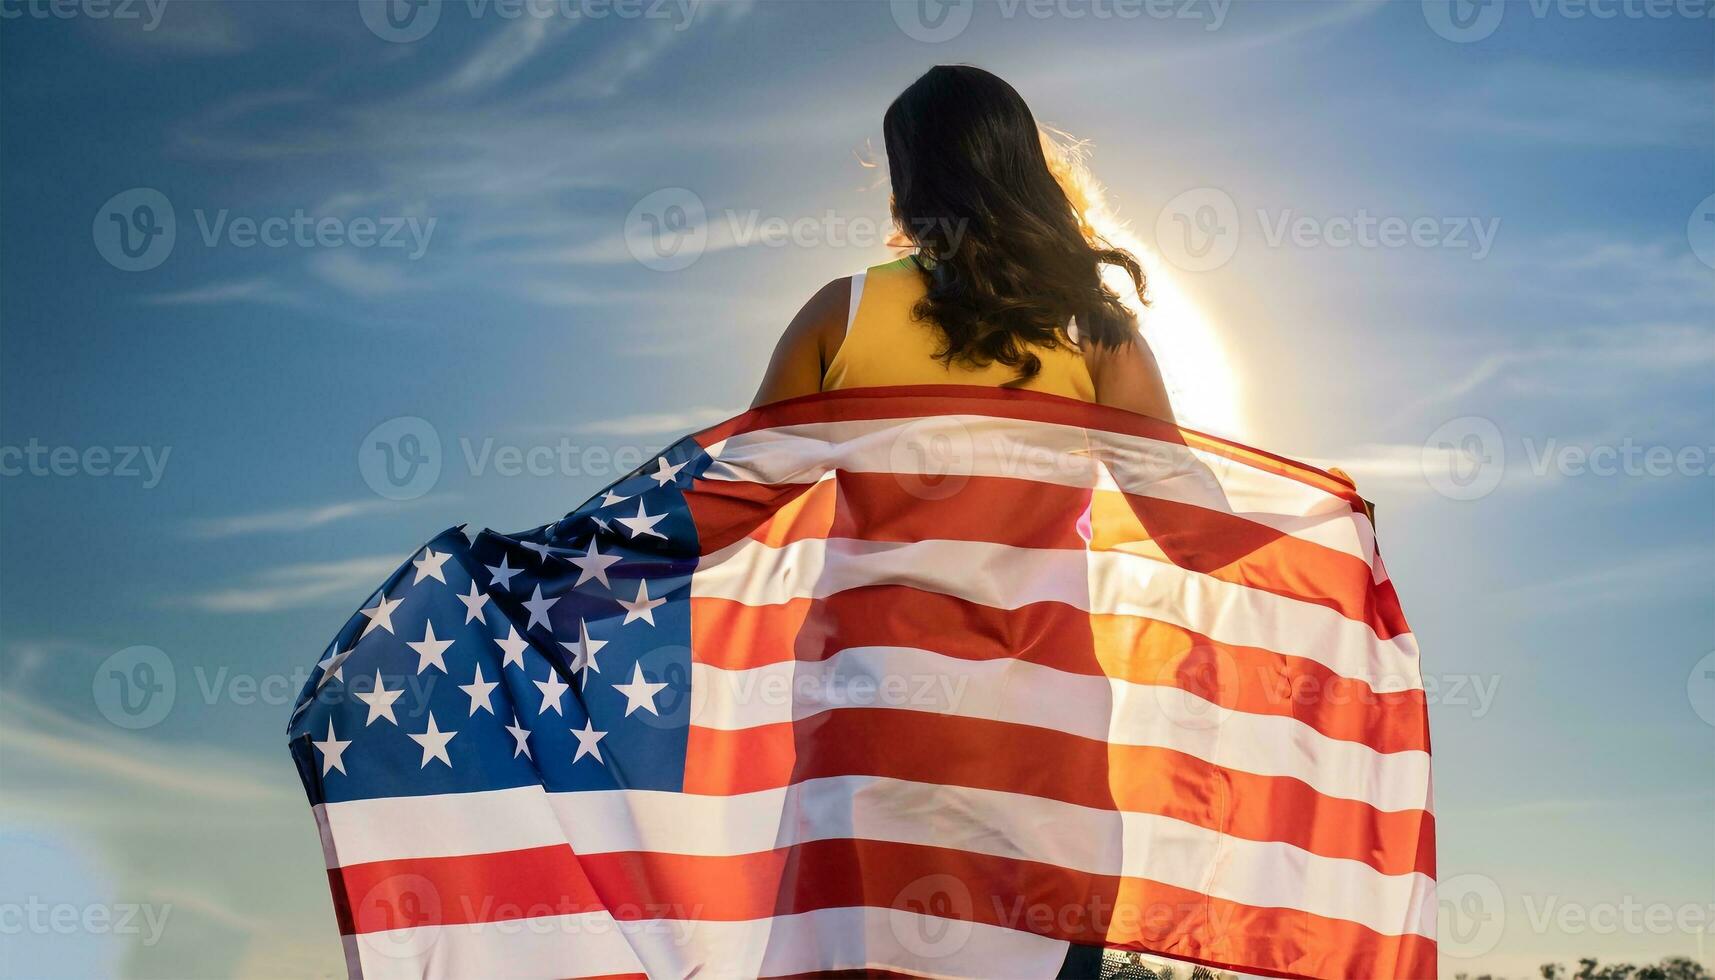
(885, 343)
(1005, 284)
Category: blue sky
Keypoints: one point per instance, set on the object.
(1557, 165)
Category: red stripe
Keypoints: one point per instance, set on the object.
(524, 884)
(734, 636)
(952, 884)
(1010, 758)
(920, 401)
(1027, 514)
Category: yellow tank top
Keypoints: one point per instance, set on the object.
(885, 346)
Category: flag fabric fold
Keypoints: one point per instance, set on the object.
(926, 681)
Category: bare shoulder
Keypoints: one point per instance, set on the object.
(809, 342)
(1127, 376)
(824, 315)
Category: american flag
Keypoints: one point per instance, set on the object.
(916, 681)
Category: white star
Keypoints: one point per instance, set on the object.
(638, 692)
(643, 523)
(539, 607)
(609, 498)
(503, 574)
(380, 701)
(473, 601)
(380, 614)
(479, 691)
(641, 607)
(430, 649)
(513, 647)
(603, 524)
(583, 651)
(594, 565)
(552, 689)
(587, 740)
(665, 474)
(334, 667)
(334, 748)
(434, 743)
(521, 735)
(429, 566)
(543, 550)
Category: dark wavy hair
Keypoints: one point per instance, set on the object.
(1004, 251)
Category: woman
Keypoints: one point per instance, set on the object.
(1004, 287)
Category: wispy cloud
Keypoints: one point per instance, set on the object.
(259, 290)
(296, 586)
(507, 51)
(205, 29)
(657, 423)
(1641, 352)
(567, 293)
(346, 271)
(1554, 104)
(42, 734)
(606, 73)
(292, 518)
(1401, 469)
(1627, 279)
(1671, 572)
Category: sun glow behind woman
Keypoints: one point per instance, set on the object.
(1194, 365)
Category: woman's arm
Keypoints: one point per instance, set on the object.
(1127, 377)
(809, 343)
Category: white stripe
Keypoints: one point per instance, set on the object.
(1110, 582)
(852, 938)
(857, 938)
(1263, 874)
(444, 825)
(588, 944)
(1111, 710)
(979, 445)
